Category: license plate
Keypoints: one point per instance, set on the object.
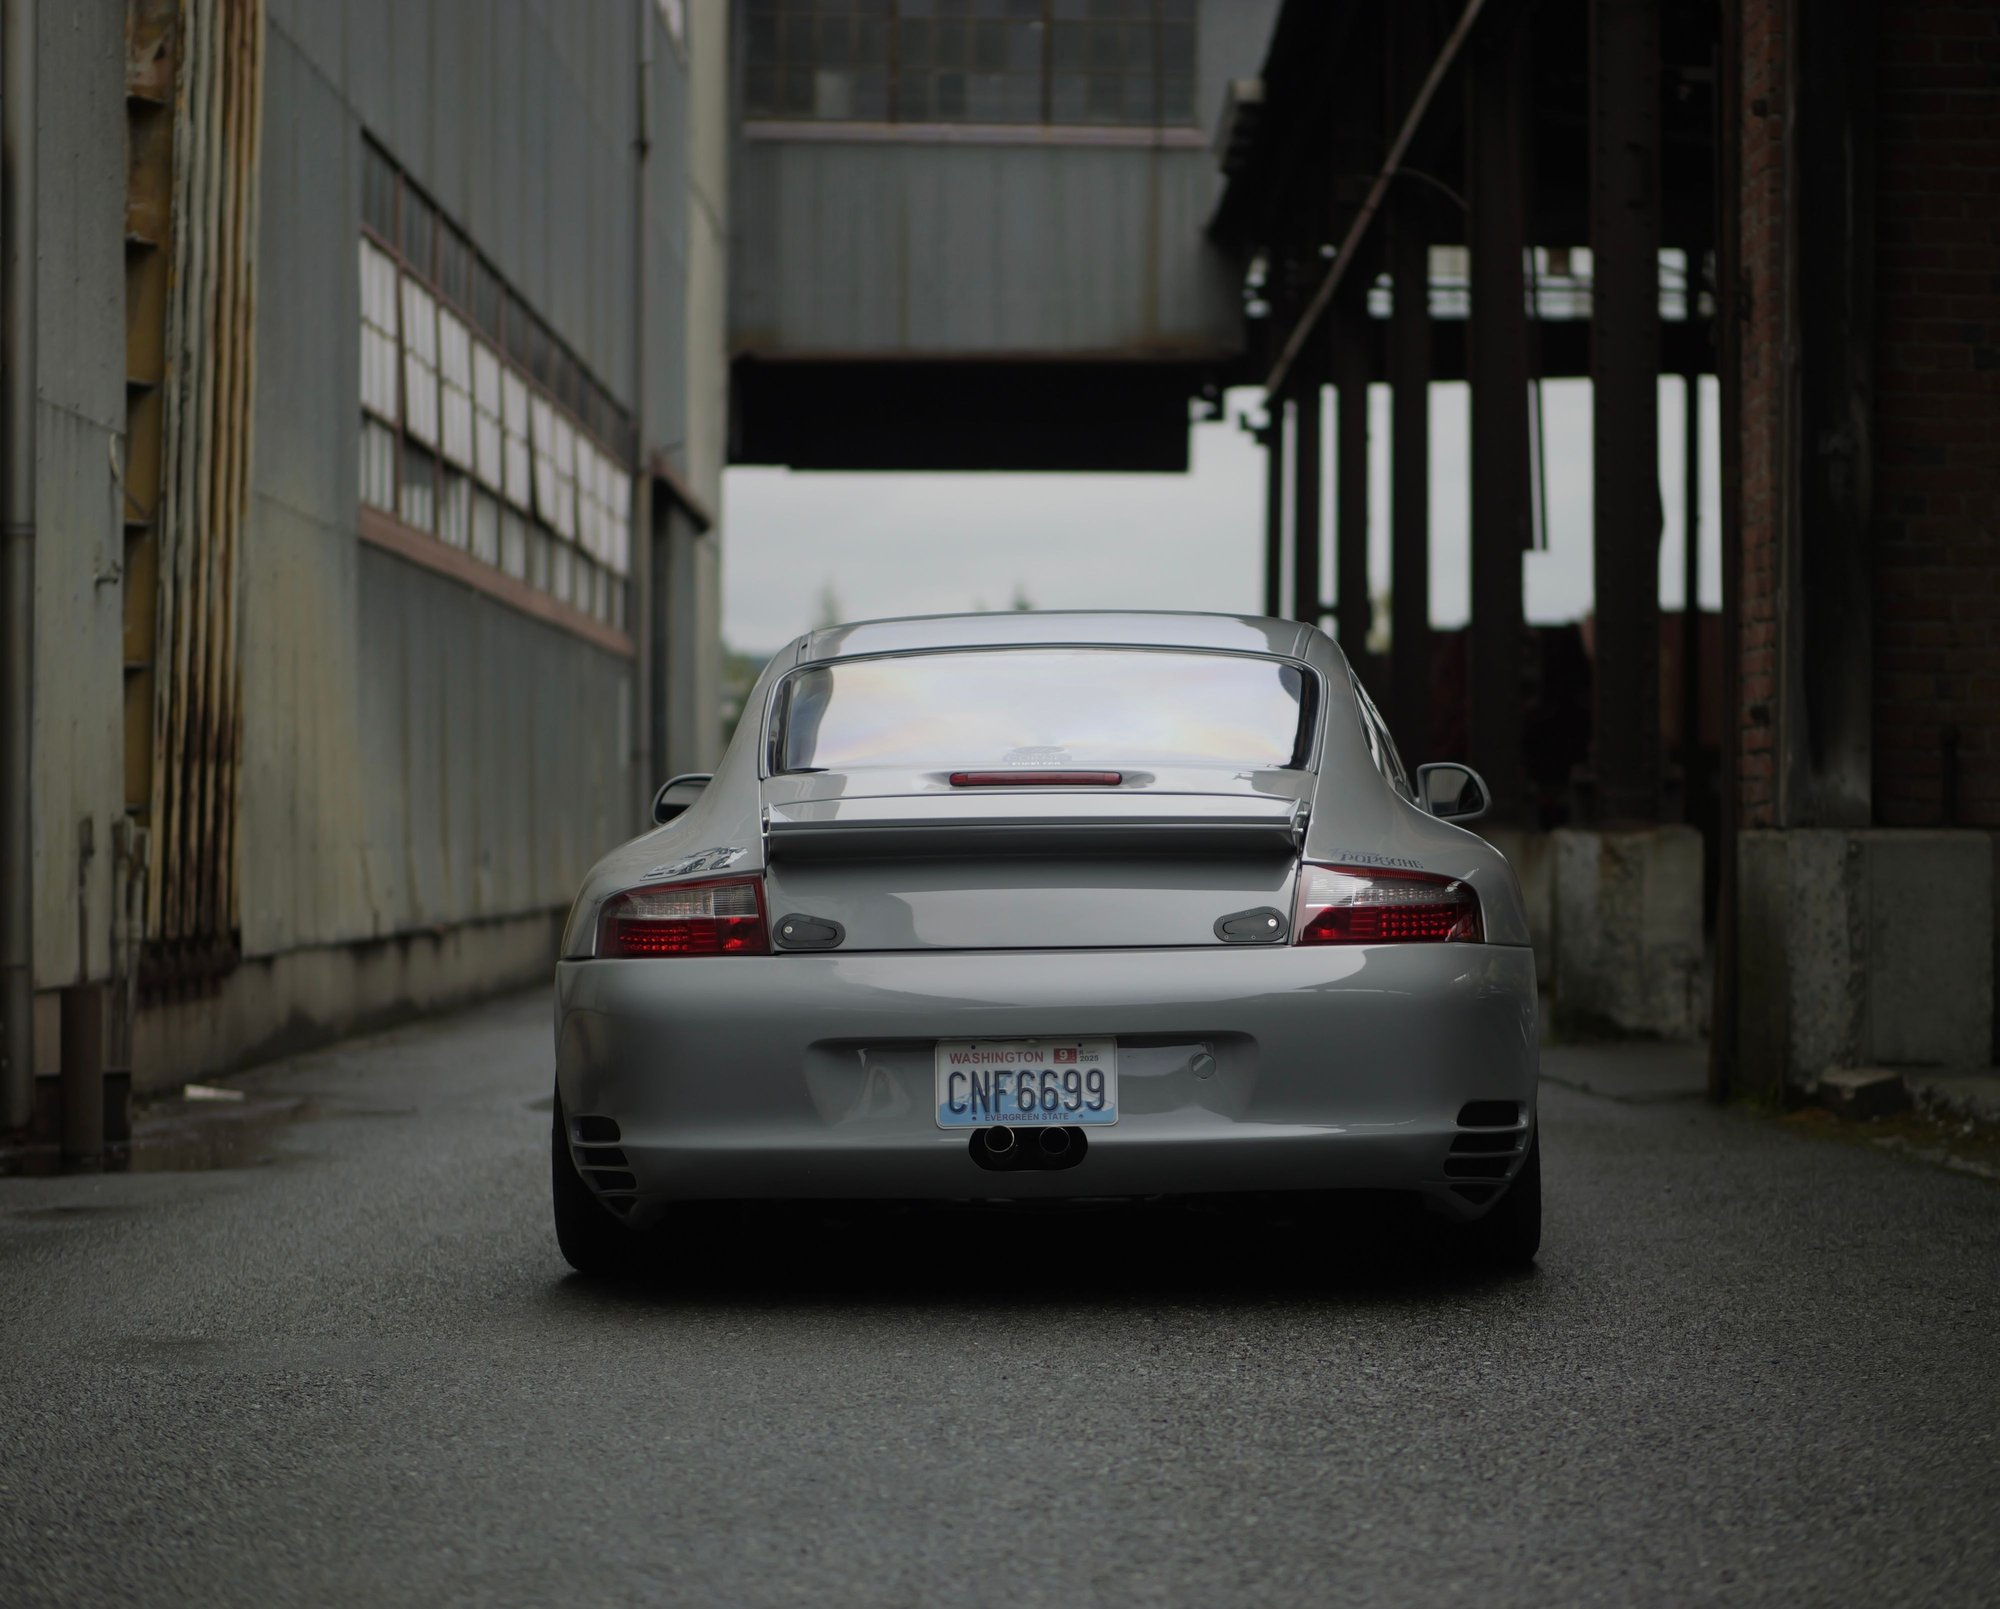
(1027, 1082)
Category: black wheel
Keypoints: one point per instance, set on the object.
(1511, 1232)
(592, 1241)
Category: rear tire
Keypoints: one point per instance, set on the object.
(592, 1241)
(1511, 1232)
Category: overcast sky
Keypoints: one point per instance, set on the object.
(896, 544)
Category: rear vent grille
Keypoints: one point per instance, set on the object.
(1477, 1167)
(1495, 1138)
(600, 1161)
(1489, 1115)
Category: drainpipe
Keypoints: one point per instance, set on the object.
(17, 560)
(649, 764)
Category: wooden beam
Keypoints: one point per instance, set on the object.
(1496, 161)
(1625, 368)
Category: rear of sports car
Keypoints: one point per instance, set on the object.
(1028, 918)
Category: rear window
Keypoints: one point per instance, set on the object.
(1044, 707)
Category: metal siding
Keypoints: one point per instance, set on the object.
(670, 203)
(319, 29)
(908, 249)
(81, 291)
(454, 116)
(304, 782)
(308, 394)
(363, 72)
(418, 754)
(530, 271)
(710, 226)
(77, 741)
(508, 230)
(408, 131)
(79, 630)
(481, 102)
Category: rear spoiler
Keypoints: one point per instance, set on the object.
(1120, 825)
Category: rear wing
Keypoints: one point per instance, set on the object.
(1118, 825)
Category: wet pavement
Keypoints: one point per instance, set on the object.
(341, 1362)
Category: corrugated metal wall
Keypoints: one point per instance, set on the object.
(78, 752)
(211, 374)
(415, 759)
(906, 248)
(417, 755)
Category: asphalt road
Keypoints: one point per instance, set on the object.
(1751, 1368)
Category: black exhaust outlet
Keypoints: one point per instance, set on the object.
(1003, 1150)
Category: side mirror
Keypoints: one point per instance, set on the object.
(1452, 792)
(677, 793)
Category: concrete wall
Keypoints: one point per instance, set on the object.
(1629, 955)
(1863, 948)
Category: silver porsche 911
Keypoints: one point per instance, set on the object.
(1025, 907)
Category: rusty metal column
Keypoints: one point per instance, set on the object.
(649, 759)
(1410, 713)
(1496, 158)
(1307, 492)
(1624, 371)
(1352, 369)
(1828, 688)
(1272, 435)
(1410, 487)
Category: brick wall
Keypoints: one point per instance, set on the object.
(1937, 455)
(1936, 534)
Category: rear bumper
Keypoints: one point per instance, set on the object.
(809, 1076)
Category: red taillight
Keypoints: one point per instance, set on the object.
(1370, 905)
(1036, 779)
(718, 918)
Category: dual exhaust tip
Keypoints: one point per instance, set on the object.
(1004, 1149)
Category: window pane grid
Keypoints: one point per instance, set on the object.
(478, 425)
(1126, 63)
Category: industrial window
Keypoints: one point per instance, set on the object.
(420, 389)
(417, 502)
(378, 192)
(1122, 62)
(454, 509)
(378, 378)
(454, 343)
(378, 464)
(514, 397)
(478, 425)
(378, 333)
(488, 461)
